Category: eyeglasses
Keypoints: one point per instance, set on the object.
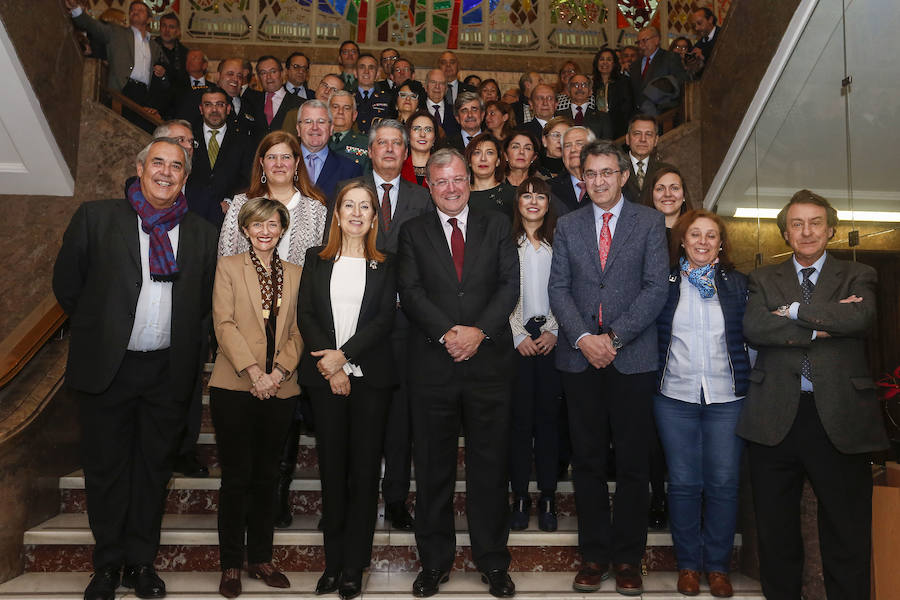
(580, 84)
(212, 104)
(390, 58)
(319, 122)
(408, 95)
(420, 128)
(349, 52)
(605, 174)
(456, 181)
(555, 135)
(297, 67)
(191, 141)
(327, 88)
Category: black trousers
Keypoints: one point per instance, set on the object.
(605, 404)
(843, 487)
(349, 435)
(129, 434)
(188, 446)
(398, 431)
(249, 437)
(482, 408)
(535, 424)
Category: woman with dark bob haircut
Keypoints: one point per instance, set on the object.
(488, 166)
(703, 378)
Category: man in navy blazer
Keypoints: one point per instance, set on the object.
(608, 282)
(325, 168)
(437, 104)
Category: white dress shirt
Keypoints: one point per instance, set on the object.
(635, 161)
(440, 109)
(348, 283)
(200, 81)
(207, 133)
(277, 98)
(461, 220)
(584, 109)
(393, 194)
(535, 278)
(152, 328)
(142, 69)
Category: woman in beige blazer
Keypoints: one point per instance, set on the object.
(252, 388)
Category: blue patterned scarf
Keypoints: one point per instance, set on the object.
(157, 224)
(702, 278)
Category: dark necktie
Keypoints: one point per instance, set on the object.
(583, 188)
(437, 112)
(579, 116)
(365, 94)
(806, 288)
(386, 206)
(457, 247)
(336, 138)
(196, 83)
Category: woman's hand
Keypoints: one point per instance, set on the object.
(545, 343)
(340, 384)
(527, 347)
(267, 385)
(331, 362)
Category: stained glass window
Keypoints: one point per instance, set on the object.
(285, 21)
(513, 25)
(401, 22)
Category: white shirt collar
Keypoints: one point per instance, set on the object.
(395, 182)
(615, 210)
(461, 218)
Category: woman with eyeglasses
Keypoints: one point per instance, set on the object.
(424, 136)
(406, 101)
(487, 166)
(551, 163)
(520, 150)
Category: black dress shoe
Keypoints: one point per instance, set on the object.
(658, 515)
(145, 581)
(103, 584)
(396, 513)
(501, 585)
(428, 582)
(351, 583)
(189, 466)
(328, 582)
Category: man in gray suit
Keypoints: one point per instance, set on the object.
(811, 411)
(607, 284)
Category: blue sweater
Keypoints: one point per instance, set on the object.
(731, 288)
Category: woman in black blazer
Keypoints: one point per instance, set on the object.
(612, 91)
(347, 303)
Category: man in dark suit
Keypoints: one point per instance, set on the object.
(273, 102)
(324, 167)
(654, 63)
(608, 282)
(135, 277)
(707, 31)
(437, 104)
(242, 109)
(641, 138)
(297, 68)
(174, 52)
(543, 107)
(469, 113)
(811, 411)
(569, 187)
(449, 66)
(386, 60)
(522, 107)
(371, 104)
(187, 97)
(580, 111)
(458, 274)
(222, 160)
(399, 201)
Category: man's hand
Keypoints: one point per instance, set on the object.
(331, 362)
(598, 349)
(340, 384)
(464, 344)
(159, 71)
(150, 111)
(545, 343)
(225, 206)
(72, 4)
(851, 299)
(527, 347)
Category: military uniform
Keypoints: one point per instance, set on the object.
(372, 109)
(353, 146)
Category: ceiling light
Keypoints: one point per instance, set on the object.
(843, 215)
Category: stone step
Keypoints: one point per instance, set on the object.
(193, 495)
(382, 586)
(190, 543)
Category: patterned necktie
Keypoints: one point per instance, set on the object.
(212, 148)
(437, 112)
(386, 206)
(311, 161)
(267, 109)
(579, 116)
(605, 243)
(457, 247)
(583, 188)
(806, 288)
(639, 174)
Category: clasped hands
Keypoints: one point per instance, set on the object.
(462, 342)
(852, 298)
(597, 349)
(534, 347)
(265, 385)
(331, 367)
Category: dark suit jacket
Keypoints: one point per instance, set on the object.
(310, 93)
(536, 130)
(370, 347)
(706, 47)
(258, 99)
(561, 189)
(207, 187)
(187, 103)
(664, 63)
(119, 48)
(844, 391)
(434, 299)
(448, 124)
(246, 118)
(631, 190)
(620, 103)
(633, 287)
(598, 122)
(97, 281)
(336, 168)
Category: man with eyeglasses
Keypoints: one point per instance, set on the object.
(569, 186)
(388, 57)
(371, 104)
(458, 275)
(350, 144)
(348, 55)
(297, 68)
(469, 112)
(273, 103)
(653, 65)
(543, 107)
(328, 85)
(608, 282)
(580, 111)
(437, 104)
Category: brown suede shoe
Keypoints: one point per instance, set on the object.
(267, 572)
(688, 582)
(230, 584)
(719, 584)
(590, 577)
(628, 579)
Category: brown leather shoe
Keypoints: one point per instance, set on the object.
(230, 584)
(590, 577)
(269, 575)
(628, 580)
(688, 582)
(719, 584)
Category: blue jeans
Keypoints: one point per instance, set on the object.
(704, 456)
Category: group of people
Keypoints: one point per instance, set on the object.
(410, 264)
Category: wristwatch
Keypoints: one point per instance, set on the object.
(616, 342)
(784, 310)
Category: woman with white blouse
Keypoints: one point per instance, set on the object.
(347, 303)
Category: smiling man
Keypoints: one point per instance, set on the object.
(135, 278)
(273, 103)
(469, 113)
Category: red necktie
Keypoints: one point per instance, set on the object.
(386, 206)
(457, 247)
(605, 242)
(646, 66)
(267, 109)
(579, 116)
(583, 189)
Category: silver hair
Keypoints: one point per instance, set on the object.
(591, 136)
(337, 93)
(165, 129)
(605, 148)
(314, 103)
(442, 158)
(391, 124)
(465, 98)
(142, 155)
